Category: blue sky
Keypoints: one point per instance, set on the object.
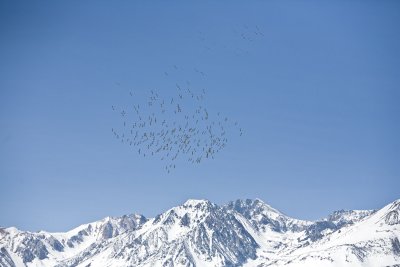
(317, 96)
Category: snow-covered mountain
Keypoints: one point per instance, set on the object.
(200, 233)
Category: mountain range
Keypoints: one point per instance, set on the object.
(200, 233)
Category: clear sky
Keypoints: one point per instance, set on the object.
(317, 96)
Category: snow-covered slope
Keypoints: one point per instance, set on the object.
(200, 233)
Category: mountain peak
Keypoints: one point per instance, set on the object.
(196, 202)
(343, 217)
(254, 204)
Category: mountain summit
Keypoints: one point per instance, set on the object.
(201, 233)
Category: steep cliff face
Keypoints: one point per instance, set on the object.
(392, 217)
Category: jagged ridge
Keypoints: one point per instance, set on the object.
(201, 233)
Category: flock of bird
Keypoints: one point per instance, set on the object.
(177, 126)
